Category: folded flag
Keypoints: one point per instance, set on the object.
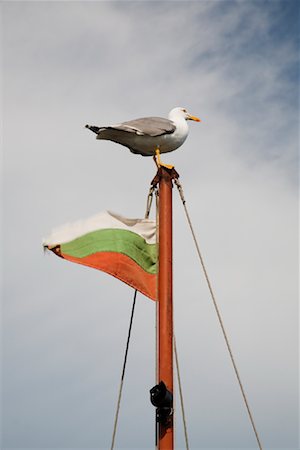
(124, 248)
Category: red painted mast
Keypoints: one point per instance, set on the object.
(165, 299)
(162, 394)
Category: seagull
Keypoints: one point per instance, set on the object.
(149, 136)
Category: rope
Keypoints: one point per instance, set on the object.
(180, 190)
(149, 201)
(181, 396)
(123, 374)
(148, 208)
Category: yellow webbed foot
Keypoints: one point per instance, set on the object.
(158, 160)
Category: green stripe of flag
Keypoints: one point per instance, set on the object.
(114, 240)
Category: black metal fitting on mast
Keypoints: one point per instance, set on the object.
(162, 399)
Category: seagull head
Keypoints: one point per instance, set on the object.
(182, 113)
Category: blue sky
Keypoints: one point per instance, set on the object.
(234, 64)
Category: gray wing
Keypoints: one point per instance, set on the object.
(149, 126)
(125, 132)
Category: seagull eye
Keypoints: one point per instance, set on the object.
(184, 110)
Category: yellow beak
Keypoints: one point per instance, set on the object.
(193, 118)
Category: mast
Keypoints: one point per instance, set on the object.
(162, 393)
(165, 301)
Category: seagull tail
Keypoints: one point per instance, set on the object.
(93, 128)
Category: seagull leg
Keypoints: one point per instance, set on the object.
(158, 160)
(154, 159)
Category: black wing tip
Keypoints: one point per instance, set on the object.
(93, 128)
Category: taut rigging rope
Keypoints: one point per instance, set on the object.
(123, 374)
(180, 190)
(148, 208)
(181, 395)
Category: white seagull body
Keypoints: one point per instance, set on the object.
(146, 135)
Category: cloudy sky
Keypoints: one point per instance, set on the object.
(234, 64)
